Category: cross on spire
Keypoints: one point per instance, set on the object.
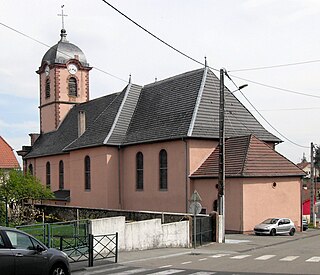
(62, 15)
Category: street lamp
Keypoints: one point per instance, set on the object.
(222, 176)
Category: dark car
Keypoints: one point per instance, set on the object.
(22, 254)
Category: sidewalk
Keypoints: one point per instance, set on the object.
(235, 243)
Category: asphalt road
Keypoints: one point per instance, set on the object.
(242, 254)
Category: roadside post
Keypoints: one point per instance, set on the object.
(195, 209)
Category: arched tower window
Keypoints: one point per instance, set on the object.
(30, 169)
(139, 167)
(163, 165)
(47, 88)
(87, 172)
(61, 175)
(73, 86)
(48, 176)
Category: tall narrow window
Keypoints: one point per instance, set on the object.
(163, 170)
(30, 169)
(61, 175)
(48, 176)
(87, 180)
(73, 86)
(47, 88)
(139, 167)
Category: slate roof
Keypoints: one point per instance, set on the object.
(247, 156)
(7, 158)
(182, 106)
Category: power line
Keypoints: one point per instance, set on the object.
(274, 87)
(276, 66)
(302, 146)
(203, 64)
(66, 54)
(155, 36)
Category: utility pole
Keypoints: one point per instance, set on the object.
(312, 212)
(221, 179)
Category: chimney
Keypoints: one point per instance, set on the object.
(33, 138)
(81, 122)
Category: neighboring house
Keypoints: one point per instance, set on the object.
(137, 148)
(8, 159)
(306, 167)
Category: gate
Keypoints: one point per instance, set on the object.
(205, 230)
(90, 248)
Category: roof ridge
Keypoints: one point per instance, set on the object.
(199, 98)
(172, 78)
(249, 138)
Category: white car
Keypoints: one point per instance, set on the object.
(275, 226)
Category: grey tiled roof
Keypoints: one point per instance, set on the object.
(186, 105)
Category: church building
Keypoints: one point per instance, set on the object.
(149, 147)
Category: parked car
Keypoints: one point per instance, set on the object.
(275, 226)
(304, 224)
(20, 253)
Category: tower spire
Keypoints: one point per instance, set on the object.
(63, 33)
(62, 16)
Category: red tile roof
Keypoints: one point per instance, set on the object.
(7, 158)
(247, 156)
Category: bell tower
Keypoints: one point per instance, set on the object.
(64, 82)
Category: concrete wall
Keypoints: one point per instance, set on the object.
(143, 234)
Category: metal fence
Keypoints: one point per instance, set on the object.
(91, 248)
(50, 233)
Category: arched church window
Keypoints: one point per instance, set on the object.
(61, 175)
(163, 165)
(30, 169)
(139, 167)
(87, 172)
(48, 176)
(73, 87)
(47, 88)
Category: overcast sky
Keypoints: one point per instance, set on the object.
(234, 34)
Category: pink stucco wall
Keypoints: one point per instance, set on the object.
(248, 201)
(151, 197)
(261, 200)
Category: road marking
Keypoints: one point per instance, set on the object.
(313, 260)
(131, 271)
(203, 259)
(187, 262)
(203, 273)
(104, 269)
(166, 266)
(239, 257)
(169, 271)
(289, 258)
(265, 257)
(219, 255)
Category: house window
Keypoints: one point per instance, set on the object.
(139, 165)
(163, 165)
(48, 177)
(47, 88)
(87, 180)
(61, 175)
(30, 169)
(73, 86)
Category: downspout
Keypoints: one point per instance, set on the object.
(119, 177)
(187, 173)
